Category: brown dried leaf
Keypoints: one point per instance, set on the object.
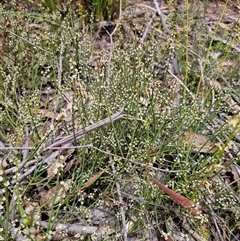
(58, 164)
(102, 44)
(198, 142)
(234, 121)
(69, 165)
(183, 201)
(235, 171)
(224, 26)
(31, 207)
(92, 180)
(66, 113)
(216, 85)
(32, 211)
(52, 171)
(46, 113)
(54, 195)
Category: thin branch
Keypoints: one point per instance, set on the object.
(147, 30)
(120, 10)
(26, 144)
(162, 16)
(214, 219)
(10, 170)
(60, 71)
(184, 86)
(74, 228)
(14, 232)
(79, 134)
(122, 211)
(66, 141)
(27, 41)
(47, 148)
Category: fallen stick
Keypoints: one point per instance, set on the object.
(63, 143)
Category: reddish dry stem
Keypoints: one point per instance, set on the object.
(183, 201)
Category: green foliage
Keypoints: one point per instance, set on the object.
(105, 9)
(50, 4)
(54, 68)
(99, 9)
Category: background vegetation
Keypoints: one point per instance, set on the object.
(172, 68)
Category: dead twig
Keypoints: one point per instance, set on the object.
(147, 30)
(29, 163)
(60, 71)
(214, 219)
(26, 144)
(184, 86)
(79, 134)
(74, 228)
(66, 141)
(122, 209)
(162, 16)
(14, 232)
